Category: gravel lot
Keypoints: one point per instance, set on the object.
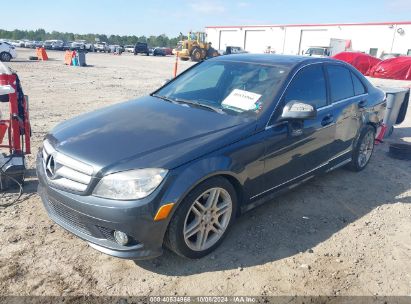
(341, 234)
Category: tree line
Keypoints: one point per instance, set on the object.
(41, 35)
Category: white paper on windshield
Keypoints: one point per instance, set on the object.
(243, 100)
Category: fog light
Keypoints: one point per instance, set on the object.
(121, 238)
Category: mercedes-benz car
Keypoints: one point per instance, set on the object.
(174, 169)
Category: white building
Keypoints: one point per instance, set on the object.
(371, 38)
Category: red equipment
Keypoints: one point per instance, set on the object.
(362, 62)
(394, 68)
(17, 128)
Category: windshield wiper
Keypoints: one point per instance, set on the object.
(189, 102)
(199, 104)
(163, 98)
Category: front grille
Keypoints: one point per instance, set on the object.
(68, 216)
(65, 172)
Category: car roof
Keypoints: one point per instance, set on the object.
(271, 59)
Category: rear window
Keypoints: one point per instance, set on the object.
(341, 84)
(358, 85)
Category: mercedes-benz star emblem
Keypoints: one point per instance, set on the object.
(50, 167)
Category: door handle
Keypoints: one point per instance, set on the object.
(362, 103)
(327, 120)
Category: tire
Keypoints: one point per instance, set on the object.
(403, 110)
(361, 158)
(196, 55)
(5, 57)
(185, 216)
(400, 151)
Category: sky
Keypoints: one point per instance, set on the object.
(154, 17)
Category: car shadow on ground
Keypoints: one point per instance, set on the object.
(298, 220)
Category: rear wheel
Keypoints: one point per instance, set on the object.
(6, 57)
(363, 149)
(203, 219)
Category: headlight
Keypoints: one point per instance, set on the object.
(130, 185)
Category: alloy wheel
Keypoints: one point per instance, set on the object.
(366, 149)
(207, 219)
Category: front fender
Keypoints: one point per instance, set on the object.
(187, 177)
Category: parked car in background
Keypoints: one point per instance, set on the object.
(141, 48)
(168, 51)
(30, 44)
(89, 47)
(229, 50)
(101, 47)
(47, 44)
(17, 43)
(24, 41)
(129, 48)
(38, 44)
(318, 51)
(223, 137)
(53, 45)
(159, 52)
(76, 46)
(7, 51)
(58, 45)
(115, 48)
(67, 45)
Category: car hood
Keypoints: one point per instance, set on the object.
(147, 132)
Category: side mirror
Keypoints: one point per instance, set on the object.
(297, 110)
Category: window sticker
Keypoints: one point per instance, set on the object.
(242, 100)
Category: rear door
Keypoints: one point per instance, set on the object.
(298, 148)
(348, 96)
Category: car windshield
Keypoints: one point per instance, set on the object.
(226, 86)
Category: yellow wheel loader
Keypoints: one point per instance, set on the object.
(195, 48)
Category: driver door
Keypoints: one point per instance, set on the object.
(297, 148)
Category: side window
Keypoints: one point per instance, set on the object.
(341, 85)
(308, 86)
(358, 85)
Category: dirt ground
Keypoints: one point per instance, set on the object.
(341, 234)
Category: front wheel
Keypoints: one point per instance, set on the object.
(203, 219)
(363, 149)
(196, 55)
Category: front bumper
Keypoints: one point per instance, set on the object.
(95, 219)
